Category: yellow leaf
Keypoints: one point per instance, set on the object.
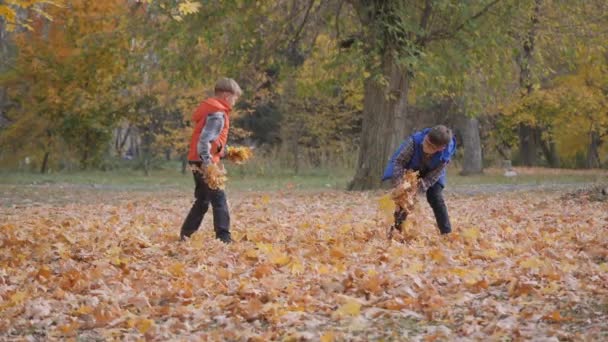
(265, 247)
(189, 7)
(415, 268)
(67, 238)
(490, 253)
(251, 254)
(143, 325)
(17, 297)
(531, 263)
(265, 199)
(280, 259)
(344, 229)
(114, 251)
(83, 310)
(327, 337)
(177, 269)
(386, 206)
(437, 255)
(323, 269)
(296, 267)
(471, 233)
(7, 13)
(552, 288)
(350, 308)
(458, 271)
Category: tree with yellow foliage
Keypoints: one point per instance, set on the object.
(66, 82)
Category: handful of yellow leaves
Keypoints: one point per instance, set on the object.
(404, 194)
(239, 155)
(213, 175)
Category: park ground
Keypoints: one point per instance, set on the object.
(95, 256)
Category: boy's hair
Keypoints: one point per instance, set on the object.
(440, 135)
(227, 85)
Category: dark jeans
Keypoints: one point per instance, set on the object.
(434, 196)
(221, 217)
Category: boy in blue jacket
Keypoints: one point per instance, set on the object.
(428, 151)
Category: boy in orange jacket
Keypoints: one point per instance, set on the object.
(208, 144)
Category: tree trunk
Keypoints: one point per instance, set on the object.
(473, 161)
(147, 166)
(593, 155)
(135, 145)
(554, 159)
(296, 157)
(527, 137)
(295, 150)
(4, 56)
(527, 145)
(117, 139)
(184, 163)
(549, 150)
(84, 161)
(384, 123)
(3, 105)
(124, 140)
(45, 162)
(147, 151)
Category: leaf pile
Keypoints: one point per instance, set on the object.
(239, 154)
(306, 266)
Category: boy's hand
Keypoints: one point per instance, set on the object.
(422, 186)
(222, 169)
(420, 189)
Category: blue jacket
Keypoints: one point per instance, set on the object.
(416, 162)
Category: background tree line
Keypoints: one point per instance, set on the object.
(332, 83)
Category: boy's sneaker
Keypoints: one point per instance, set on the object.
(224, 238)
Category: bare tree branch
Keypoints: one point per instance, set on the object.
(424, 22)
(304, 21)
(445, 34)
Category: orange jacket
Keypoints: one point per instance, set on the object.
(211, 105)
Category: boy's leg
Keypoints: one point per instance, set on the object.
(400, 217)
(221, 215)
(199, 208)
(434, 196)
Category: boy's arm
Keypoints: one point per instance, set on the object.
(211, 130)
(402, 159)
(431, 178)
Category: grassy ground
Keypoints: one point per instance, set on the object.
(163, 179)
(17, 188)
(318, 179)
